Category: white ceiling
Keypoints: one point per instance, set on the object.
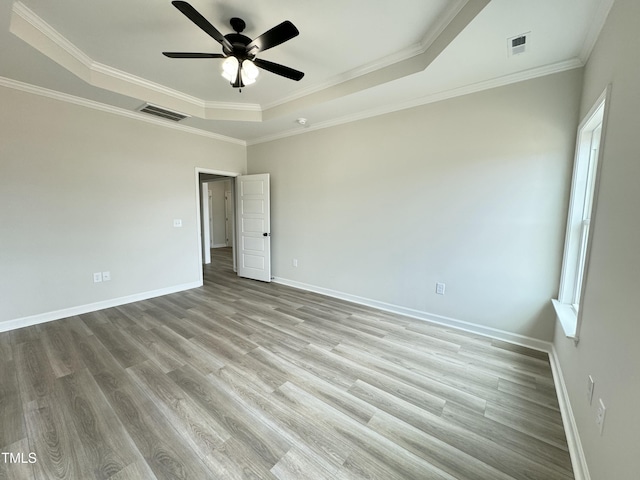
(360, 57)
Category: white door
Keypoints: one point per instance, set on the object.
(254, 227)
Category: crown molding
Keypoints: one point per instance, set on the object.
(437, 97)
(83, 102)
(22, 12)
(449, 28)
(35, 31)
(453, 8)
(336, 80)
(595, 28)
(424, 100)
(32, 29)
(120, 75)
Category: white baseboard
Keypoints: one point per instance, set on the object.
(578, 459)
(220, 245)
(92, 307)
(510, 337)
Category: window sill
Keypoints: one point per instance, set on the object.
(567, 317)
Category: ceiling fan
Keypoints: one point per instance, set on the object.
(239, 51)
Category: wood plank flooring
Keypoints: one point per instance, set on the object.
(245, 380)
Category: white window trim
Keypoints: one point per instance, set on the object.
(567, 313)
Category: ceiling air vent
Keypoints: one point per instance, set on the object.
(519, 44)
(162, 112)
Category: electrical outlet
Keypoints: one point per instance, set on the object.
(106, 276)
(440, 288)
(97, 277)
(590, 386)
(295, 262)
(600, 414)
(177, 222)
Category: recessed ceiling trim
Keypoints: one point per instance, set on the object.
(26, 25)
(392, 59)
(406, 54)
(83, 102)
(110, 72)
(400, 69)
(505, 80)
(437, 97)
(36, 32)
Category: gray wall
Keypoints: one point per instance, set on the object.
(84, 191)
(471, 191)
(217, 190)
(608, 348)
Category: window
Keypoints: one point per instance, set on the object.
(580, 218)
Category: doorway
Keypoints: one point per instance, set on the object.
(251, 213)
(209, 182)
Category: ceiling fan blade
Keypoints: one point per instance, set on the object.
(193, 15)
(279, 69)
(192, 55)
(277, 35)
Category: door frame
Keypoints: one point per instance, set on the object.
(204, 222)
(230, 215)
(199, 238)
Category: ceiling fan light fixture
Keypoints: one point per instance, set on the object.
(249, 72)
(230, 69)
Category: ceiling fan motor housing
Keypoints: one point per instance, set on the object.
(239, 43)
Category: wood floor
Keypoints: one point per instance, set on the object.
(245, 380)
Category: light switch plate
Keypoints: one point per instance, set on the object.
(600, 414)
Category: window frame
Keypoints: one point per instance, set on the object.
(579, 230)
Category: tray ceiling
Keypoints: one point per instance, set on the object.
(360, 58)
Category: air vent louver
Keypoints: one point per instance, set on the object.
(516, 42)
(519, 44)
(162, 112)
